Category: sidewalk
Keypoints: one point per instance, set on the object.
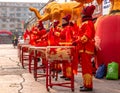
(14, 79)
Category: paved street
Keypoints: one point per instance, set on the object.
(14, 79)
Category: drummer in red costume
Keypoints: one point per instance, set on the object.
(33, 35)
(36, 39)
(40, 33)
(86, 45)
(66, 31)
(36, 34)
(66, 35)
(53, 40)
(26, 34)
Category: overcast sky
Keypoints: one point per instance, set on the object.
(28, 0)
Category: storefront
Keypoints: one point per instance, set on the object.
(5, 37)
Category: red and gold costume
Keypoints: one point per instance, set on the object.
(36, 39)
(75, 32)
(86, 50)
(53, 40)
(66, 37)
(41, 41)
(33, 36)
(36, 35)
(86, 47)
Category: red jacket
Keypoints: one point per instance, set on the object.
(87, 29)
(32, 36)
(35, 35)
(39, 40)
(66, 35)
(53, 39)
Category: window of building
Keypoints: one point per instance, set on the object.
(18, 14)
(25, 9)
(4, 9)
(23, 19)
(23, 15)
(12, 4)
(12, 15)
(12, 30)
(18, 20)
(7, 4)
(12, 9)
(17, 4)
(19, 25)
(2, 3)
(12, 20)
(18, 9)
(3, 25)
(3, 14)
(3, 20)
(29, 14)
(11, 25)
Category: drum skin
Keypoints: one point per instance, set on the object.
(108, 40)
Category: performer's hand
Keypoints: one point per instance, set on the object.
(44, 36)
(57, 33)
(84, 39)
(38, 40)
(34, 32)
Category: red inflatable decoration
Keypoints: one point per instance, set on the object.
(108, 39)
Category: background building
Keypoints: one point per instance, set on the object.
(14, 14)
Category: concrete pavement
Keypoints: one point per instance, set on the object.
(14, 79)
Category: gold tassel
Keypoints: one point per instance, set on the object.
(87, 79)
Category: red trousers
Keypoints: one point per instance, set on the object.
(86, 69)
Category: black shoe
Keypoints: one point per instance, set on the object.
(81, 86)
(85, 89)
(59, 71)
(53, 70)
(38, 59)
(67, 79)
(42, 65)
(62, 77)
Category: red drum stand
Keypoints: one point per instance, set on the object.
(59, 53)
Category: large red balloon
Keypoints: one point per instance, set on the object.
(108, 39)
